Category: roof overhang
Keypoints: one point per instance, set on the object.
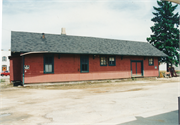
(36, 52)
(28, 53)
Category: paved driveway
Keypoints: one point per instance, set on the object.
(4, 77)
(111, 103)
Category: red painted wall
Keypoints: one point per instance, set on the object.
(15, 68)
(67, 63)
(35, 61)
(121, 65)
(67, 68)
(150, 70)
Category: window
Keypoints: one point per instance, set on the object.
(151, 61)
(103, 61)
(48, 64)
(112, 61)
(84, 63)
(4, 59)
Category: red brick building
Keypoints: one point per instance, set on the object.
(40, 58)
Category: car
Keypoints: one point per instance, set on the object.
(5, 73)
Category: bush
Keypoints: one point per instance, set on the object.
(133, 78)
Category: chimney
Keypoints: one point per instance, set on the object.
(63, 31)
(43, 36)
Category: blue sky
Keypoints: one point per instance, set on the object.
(116, 19)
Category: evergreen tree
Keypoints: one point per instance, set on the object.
(165, 32)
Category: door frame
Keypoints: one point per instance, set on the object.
(81, 56)
(142, 69)
(4, 66)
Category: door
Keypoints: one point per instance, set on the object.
(133, 64)
(137, 68)
(4, 67)
(139, 71)
(84, 63)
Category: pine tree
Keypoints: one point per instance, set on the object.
(165, 32)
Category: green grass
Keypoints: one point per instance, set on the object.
(108, 81)
(177, 71)
(2, 80)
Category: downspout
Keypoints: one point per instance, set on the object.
(142, 65)
(158, 65)
(23, 72)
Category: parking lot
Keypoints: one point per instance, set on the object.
(4, 77)
(117, 102)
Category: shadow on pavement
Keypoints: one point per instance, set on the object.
(170, 118)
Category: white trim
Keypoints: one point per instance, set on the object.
(33, 53)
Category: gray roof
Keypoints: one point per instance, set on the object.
(57, 43)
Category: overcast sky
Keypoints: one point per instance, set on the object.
(115, 19)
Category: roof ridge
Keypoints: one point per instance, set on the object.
(81, 36)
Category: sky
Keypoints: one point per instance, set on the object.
(114, 19)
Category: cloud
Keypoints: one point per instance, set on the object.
(113, 19)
